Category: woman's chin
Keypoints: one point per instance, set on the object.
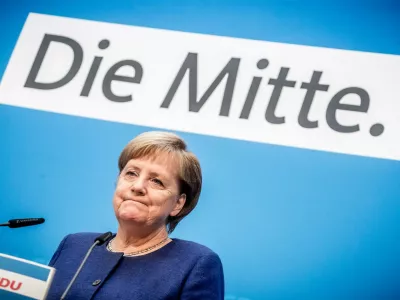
(130, 214)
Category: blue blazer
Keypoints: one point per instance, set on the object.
(179, 270)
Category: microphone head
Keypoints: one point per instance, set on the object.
(16, 223)
(103, 238)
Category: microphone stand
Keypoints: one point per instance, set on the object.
(99, 241)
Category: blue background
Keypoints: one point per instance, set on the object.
(288, 223)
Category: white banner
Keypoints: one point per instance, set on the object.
(22, 285)
(308, 97)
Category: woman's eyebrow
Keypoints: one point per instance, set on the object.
(131, 165)
(155, 174)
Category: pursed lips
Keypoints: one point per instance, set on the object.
(133, 200)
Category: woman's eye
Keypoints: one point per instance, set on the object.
(131, 173)
(157, 181)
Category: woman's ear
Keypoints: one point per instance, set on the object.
(178, 205)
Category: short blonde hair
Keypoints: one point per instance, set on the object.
(153, 143)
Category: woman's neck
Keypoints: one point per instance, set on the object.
(128, 241)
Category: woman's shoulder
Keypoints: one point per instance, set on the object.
(194, 249)
(204, 269)
(74, 245)
(82, 237)
(78, 240)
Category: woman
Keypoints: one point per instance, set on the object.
(159, 183)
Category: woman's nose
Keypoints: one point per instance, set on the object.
(138, 186)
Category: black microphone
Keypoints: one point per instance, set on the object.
(16, 223)
(103, 238)
(100, 240)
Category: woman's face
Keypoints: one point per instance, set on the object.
(147, 191)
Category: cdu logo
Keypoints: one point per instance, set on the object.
(10, 284)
